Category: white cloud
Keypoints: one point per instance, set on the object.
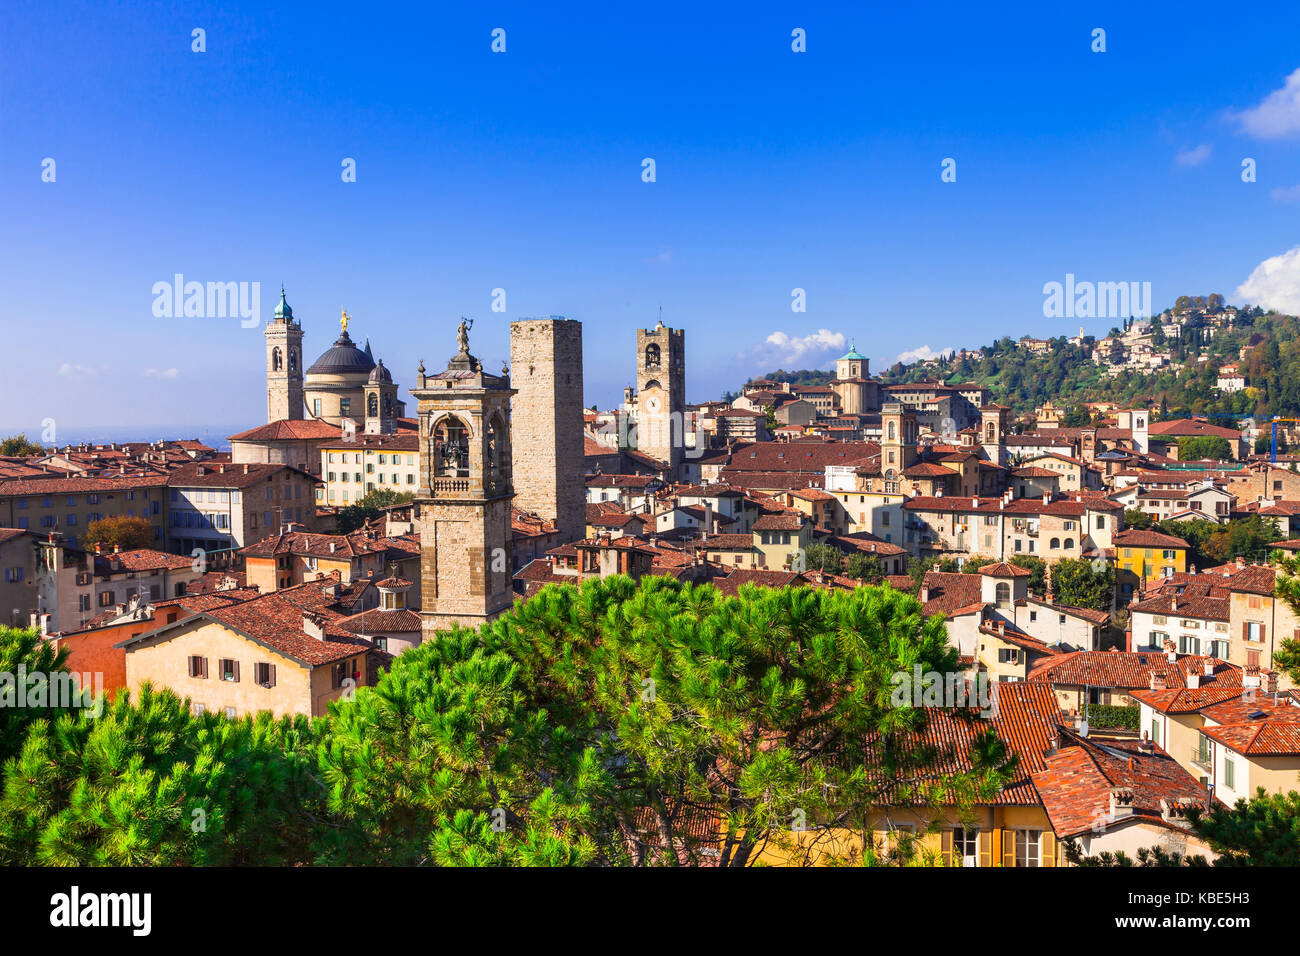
(162, 373)
(1285, 194)
(1277, 116)
(79, 371)
(1194, 156)
(790, 351)
(1275, 283)
(922, 354)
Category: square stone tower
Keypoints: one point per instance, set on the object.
(465, 492)
(661, 393)
(284, 398)
(549, 462)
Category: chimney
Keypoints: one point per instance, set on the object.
(221, 468)
(1171, 649)
(1158, 681)
(1241, 561)
(313, 626)
(1047, 497)
(1193, 680)
(925, 594)
(246, 469)
(1209, 667)
(1270, 682)
(1121, 803)
(1175, 811)
(200, 470)
(708, 516)
(974, 502)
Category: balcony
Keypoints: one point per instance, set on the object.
(1201, 757)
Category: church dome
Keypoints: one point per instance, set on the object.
(343, 358)
(380, 375)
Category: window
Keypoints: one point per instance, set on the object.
(228, 669)
(199, 667)
(1155, 731)
(198, 708)
(1229, 773)
(106, 599)
(965, 847)
(341, 672)
(1003, 594)
(264, 674)
(381, 643)
(1008, 655)
(1252, 631)
(1027, 847)
(1189, 645)
(230, 712)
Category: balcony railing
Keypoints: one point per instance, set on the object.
(1200, 757)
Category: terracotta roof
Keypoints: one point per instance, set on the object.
(786, 522)
(1131, 669)
(289, 429)
(1002, 569)
(402, 621)
(1264, 738)
(949, 591)
(1026, 720)
(1145, 538)
(1075, 786)
(142, 559)
(199, 474)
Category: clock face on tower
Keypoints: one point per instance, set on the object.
(653, 404)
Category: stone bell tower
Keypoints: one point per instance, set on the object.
(465, 492)
(284, 398)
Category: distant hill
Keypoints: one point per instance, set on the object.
(1068, 376)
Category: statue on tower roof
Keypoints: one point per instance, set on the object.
(462, 334)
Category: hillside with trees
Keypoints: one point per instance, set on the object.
(1067, 375)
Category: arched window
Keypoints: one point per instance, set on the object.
(1069, 543)
(495, 442)
(293, 360)
(988, 430)
(372, 405)
(893, 432)
(1003, 594)
(1056, 544)
(277, 359)
(450, 449)
(652, 356)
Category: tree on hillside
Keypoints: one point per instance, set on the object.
(121, 532)
(369, 507)
(1204, 447)
(19, 446)
(1081, 583)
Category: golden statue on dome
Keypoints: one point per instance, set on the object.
(344, 321)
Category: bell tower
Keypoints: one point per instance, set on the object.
(380, 396)
(284, 398)
(661, 393)
(465, 492)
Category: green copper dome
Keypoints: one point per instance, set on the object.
(282, 311)
(852, 354)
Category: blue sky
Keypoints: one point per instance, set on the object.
(522, 171)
